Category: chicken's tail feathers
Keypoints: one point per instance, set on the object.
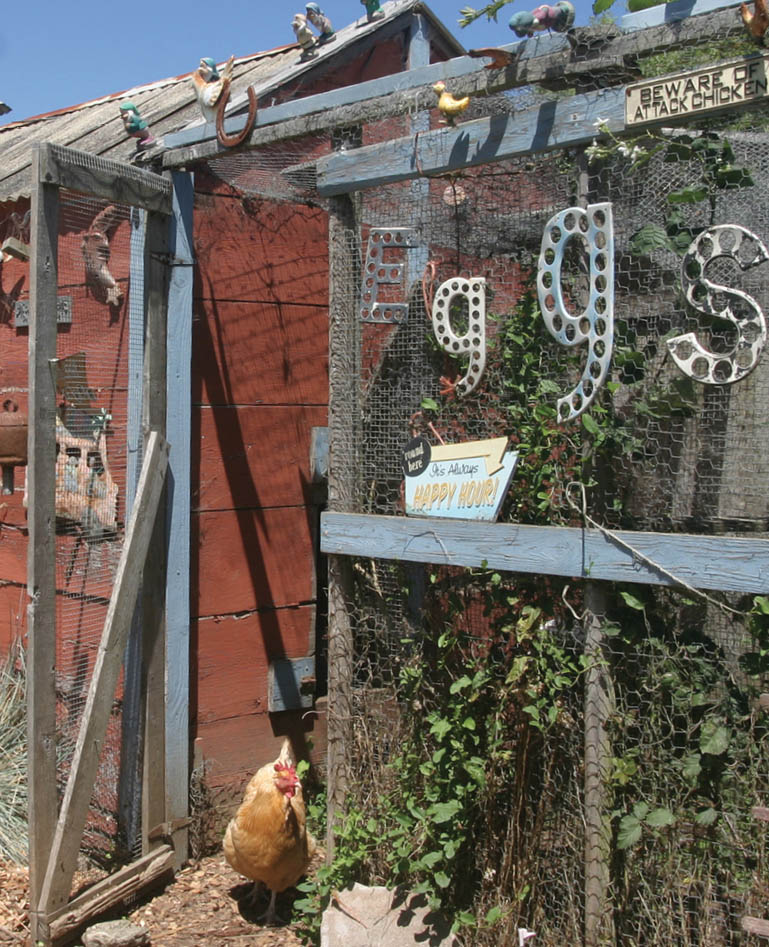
(286, 757)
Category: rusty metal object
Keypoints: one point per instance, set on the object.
(231, 141)
(13, 441)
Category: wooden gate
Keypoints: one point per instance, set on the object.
(134, 528)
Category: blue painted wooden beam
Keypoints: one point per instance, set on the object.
(425, 75)
(670, 13)
(458, 68)
(179, 435)
(705, 562)
(555, 124)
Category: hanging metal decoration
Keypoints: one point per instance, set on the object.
(380, 272)
(595, 325)
(724, 302)
(472, 343)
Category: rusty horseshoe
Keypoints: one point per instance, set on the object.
(230, 141)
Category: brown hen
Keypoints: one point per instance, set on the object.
(267, 840)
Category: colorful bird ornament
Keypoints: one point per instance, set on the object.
(448, 106)
(209, 84)
(559, 18)
(373, 10)
(304, 35)
(321, 23)
(136, 126)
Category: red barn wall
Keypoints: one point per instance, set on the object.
(260, 384)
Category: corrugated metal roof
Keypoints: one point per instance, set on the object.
(169, 104)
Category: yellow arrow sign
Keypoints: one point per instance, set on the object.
(491, 450)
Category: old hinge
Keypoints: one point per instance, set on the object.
(168, 259)
(167, 829)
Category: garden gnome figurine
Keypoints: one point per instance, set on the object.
(321, 23)
(136, 126)
(373, 10)
(304, 35)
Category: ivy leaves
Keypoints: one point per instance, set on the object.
(716, 170)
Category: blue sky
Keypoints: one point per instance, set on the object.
(56, 54)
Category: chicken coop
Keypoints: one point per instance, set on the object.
(547, 526)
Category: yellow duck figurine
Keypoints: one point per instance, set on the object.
(449, 107)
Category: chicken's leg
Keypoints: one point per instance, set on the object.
(269, 917)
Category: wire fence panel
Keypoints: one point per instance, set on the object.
(601, 307)
(95, 449)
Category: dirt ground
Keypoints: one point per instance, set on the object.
(199, 908)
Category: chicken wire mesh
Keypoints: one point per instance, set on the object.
(100, 251)
(470, 687)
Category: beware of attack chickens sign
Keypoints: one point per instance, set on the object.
(461, 481)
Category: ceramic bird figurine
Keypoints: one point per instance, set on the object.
(757, 20)
(209, 84)
(321, 23)
(136, 126)
(373, 10)
(96, 254)
(559, 18)
(449, 107)
(304, 35)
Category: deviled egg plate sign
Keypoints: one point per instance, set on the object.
(465, 481)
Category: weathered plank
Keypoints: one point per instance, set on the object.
(233, 655)
(246, 353)
(74, 808)
(755, 925)
(761, 813)
(233, 470)
(251, 559)
(261, 251)
(102, 177)
(670, 13)
(111, 892)
(344, 370)
(41, 581)
(179, 434)
(706, 562)
(154, 578)
(555, 124)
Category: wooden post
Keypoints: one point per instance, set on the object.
(41, 585)
(599, 702)
(344, 354)
(101, 691)
(129, 785)
(179, 433)
(153, 585)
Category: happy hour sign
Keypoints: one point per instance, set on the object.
(461, 481)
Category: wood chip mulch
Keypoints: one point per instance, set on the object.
(201, 906)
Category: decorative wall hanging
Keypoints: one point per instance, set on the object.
(596, 324)
(380, 272)
(738, 308)
(472, 343)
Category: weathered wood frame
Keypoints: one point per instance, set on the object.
(54, 835)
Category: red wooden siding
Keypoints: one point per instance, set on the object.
(260, 384)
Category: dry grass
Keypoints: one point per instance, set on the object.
(13, 757)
